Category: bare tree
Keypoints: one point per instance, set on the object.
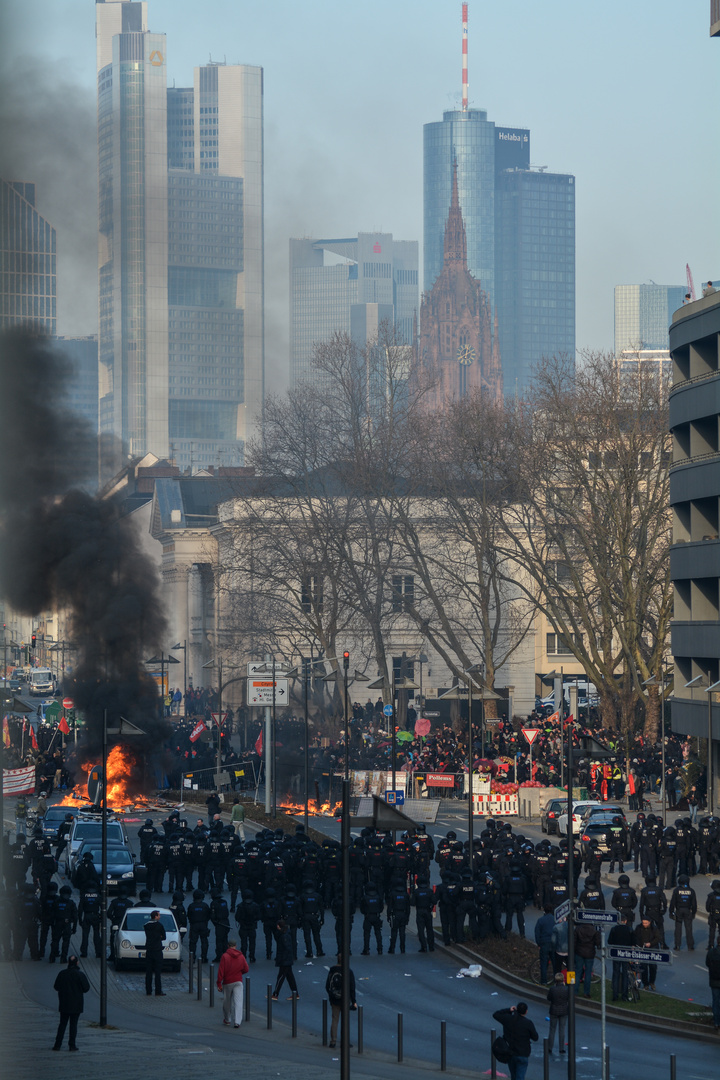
(589, 522)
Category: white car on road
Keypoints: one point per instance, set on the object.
(130, 939)
(579, 809)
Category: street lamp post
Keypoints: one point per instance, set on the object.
(177, 648)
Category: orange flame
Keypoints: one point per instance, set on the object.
(315, 809)
(121, 763)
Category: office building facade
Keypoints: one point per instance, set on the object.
(643, 314)
(27, 261)
(349, 285)
(181, 274)
(520, 226)
(695, 500)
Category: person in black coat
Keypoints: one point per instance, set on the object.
(154, 937)
(71, 984)
(518, 1031)
(284, 959)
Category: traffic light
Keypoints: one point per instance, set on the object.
(346, 660)
(33, 641)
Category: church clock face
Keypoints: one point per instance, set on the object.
(465, 355)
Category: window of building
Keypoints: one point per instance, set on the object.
(403, 592)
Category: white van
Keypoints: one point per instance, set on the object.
(41, 682)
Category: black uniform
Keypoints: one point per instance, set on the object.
(423, 900)
(89, 917)
(220, 917)
(64, 925)
(198, 918)
(247, 914)
(371, 907)
(683, 908)
(27, 921)
(398, 909)
(311, 919)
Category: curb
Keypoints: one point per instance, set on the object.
(499, 977)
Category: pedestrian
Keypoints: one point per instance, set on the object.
(712, 962)
(709, 289)
(587, 940)
(284, 960)
(648, 936)
(621, 934)
(231, 969)
(518, 1030)
(237, 819)
(154, 937)
(334, 990)
(70, 984)
(543, 938)
(559, 997)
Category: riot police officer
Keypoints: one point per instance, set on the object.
(423, 900)
(371, 907)
(247, 914)
(89, 917)
(398, 910)
(198, 917)
(64, 925)
(683, 908)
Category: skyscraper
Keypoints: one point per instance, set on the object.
(181, 277)
(520, 226)
(27, 261)
(349, 285)
(643, 314)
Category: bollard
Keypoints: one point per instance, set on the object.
(607, 1063)
(212, 987)
(493, 1064)
(673, 1073)
(269, 1006)
(400, 1036)
(246, 1001)
(294, 1015)
(191, 968)
(443, 1045)
(324, 1021)
(360, 1029)
(199, 980)
(546, 1059)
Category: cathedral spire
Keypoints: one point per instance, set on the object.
(455, 239)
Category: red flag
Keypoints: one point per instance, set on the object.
(33, 740)
(64, 726)
(198, 730)
(259, 745)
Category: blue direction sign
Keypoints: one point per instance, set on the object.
(395, 798)
(639, 956)
(562, 911)
(591, 915)
(387, 711)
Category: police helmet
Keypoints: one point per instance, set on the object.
(66, 891)
(715, 886)
(683, 879)
(623, 880)
(148, 821)
(198, 894)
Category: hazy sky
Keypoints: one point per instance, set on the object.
(622, 93)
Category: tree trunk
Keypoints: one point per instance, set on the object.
(651, 730)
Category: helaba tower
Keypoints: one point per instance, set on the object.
(180, 248)
(520, 228)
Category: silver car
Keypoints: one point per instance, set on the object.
(130, 939)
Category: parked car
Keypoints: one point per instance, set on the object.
(54, 817)
(596, 828)
(550, 815)
(120, 864)
(603, 808)
(88, 826)
(130, 939)
(578, 813)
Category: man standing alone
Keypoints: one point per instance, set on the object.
(154, 937)
(518, 1031)
(70, 984)
(233, 966)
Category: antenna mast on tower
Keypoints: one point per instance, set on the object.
(464, 57)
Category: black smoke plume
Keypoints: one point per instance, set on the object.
(65, 548)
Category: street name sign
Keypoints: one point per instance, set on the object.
(601, 918)
(562, 910)
(260, 691)
(639, 956)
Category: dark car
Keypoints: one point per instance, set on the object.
(550, 815)
(120, 865)
(596, 828)
(53, 819)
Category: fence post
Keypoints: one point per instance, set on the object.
(212, 987)
(324, 1022)
(269, 1006)
(546, 1059)
(360, 1029)
(400, 1036)
(246, 997)
(294, 1015)
(199, 980)
(443, 1045)
(673, 1072)
(493, 1065)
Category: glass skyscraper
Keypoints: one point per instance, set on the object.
(349, 285)
(520, 227)
(643, 314)
(27, 261)
(181, 275)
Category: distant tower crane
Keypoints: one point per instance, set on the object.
(690, 282)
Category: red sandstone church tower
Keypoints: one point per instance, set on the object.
(456, 351)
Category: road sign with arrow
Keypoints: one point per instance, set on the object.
(260, 691)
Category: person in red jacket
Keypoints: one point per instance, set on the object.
(231, 969)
